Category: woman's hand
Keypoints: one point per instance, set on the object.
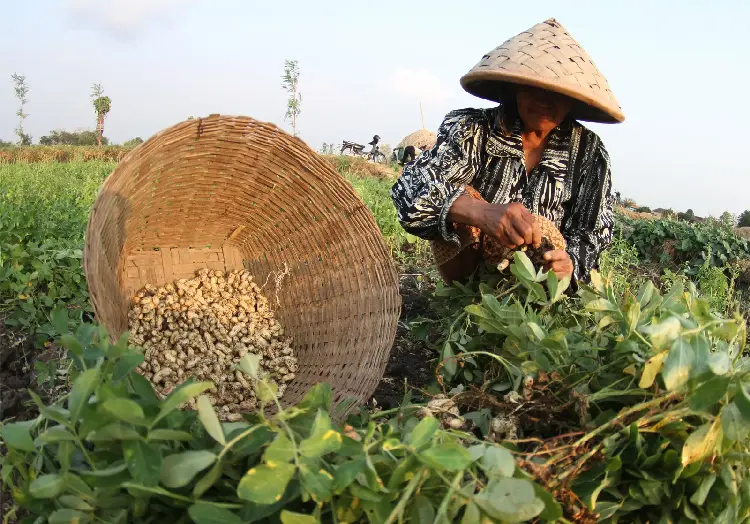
(559, 261)
(510, 224)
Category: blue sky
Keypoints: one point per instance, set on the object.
(679, 70)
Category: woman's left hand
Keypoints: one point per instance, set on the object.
(559, 261)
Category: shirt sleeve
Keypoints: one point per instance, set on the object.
(588, 228)
(427, 188)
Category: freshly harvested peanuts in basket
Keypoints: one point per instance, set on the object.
(201, 328)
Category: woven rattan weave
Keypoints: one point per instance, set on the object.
(227, 192)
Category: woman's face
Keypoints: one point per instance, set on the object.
(541, 110)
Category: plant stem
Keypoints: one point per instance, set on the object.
(236, 439)
(443, 510)
(398, 511)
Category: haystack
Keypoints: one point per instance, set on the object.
(422, 139)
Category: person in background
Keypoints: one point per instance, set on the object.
(491, 169)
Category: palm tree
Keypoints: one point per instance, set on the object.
(102, 105)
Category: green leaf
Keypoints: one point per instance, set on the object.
(524, 267)
(47, 486)
(125, 364)
(552, 510)
(210, 420)
(510, 500)
(699, 497)
(72, 344)
(472, 514)
(56, 434)
(52, 412)
(450, 364)
(208, 480)
(178, 470)
(114, 431)
(709, 393)
(83, 387)
(605, 510)
(447, 456)
(318, 397)
(497, 460)
(347, 472)
(143, 461)
(143, 388)
(265, 484)
(316, 481)
(742, 400)
(266, 392)
(423, 432)
(68, 516)
(290, 517)
(678, 365)
(16, 435)
(169, 434)
(250, 364)
(281, 450)
(701, 442)
(126, 410)
(73, 502)
(212, 514)
(322, 439)
(59, 318)
(601, 304)
(180, 395)
(734, 426)
(552, 285)
(422, 510)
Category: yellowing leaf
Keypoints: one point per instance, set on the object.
(264, 484)
(701, 443)
(651, 369)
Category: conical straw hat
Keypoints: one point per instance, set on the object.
(546, 56)
(421, 139)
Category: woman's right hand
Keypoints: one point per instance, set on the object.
(510, 224)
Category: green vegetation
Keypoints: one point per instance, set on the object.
(629, 399)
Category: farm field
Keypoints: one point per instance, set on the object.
(619, 402)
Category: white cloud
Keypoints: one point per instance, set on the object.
(123, 18)
(420, 85)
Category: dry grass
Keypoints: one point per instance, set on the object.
(34, 154)
(362, 168)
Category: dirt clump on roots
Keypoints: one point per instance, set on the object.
(202, 328)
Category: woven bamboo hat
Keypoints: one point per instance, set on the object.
(546, 56)
(422, 139)
(230, 192)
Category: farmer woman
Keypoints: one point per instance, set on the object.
(492, 168)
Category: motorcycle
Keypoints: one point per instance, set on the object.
(355, 149)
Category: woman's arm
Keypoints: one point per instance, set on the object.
(428, 187)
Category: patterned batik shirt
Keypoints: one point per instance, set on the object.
(571, 185)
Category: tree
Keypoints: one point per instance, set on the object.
(133, 142)
(727, 219)
(102, 105)
(744, 220)
(3, 143)
(21, 89)
(60, 137)
(289, 82)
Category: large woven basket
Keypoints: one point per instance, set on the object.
(230, 192)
